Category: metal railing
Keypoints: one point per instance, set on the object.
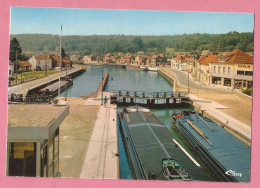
(29, 99)
(142, 94)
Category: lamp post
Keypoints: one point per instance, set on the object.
(45, 65)
(188, 79)
(16, 67)
(60, 64)
(101, 83)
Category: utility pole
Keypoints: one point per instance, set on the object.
(60, 65)
(45, 66)
(188, 80)
(21, 73)
(16, 67)
(101, 84)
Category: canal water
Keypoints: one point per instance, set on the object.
(123, 79)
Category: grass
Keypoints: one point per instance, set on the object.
(34, 74)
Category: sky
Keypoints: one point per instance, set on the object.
(126, 22)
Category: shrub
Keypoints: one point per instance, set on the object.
(248, 91)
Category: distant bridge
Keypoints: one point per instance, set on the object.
(151, 99)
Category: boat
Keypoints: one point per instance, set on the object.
(54, 88)
(172, 170)
(135, 67)
(225, 156)
(153, 69)
(148, 141)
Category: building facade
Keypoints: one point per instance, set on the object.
(41, 62)
(234, 69)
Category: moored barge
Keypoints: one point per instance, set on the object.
(154, 151)
(225, 156)
(54, 88)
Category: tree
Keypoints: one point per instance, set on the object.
(63, 54)
(14, 47)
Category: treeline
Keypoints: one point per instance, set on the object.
(101, 44)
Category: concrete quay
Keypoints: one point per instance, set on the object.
(222, 108)
(102, 160)
(89, 140)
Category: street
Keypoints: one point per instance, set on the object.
(24, 86)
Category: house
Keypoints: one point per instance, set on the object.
(234, 69)
(66, 63)
(75, 58)
(182, 62)
(152, 61)
(115, 59)
(41, 62)
(10, 69)
(128, 58)
(89, 59)
(203, 67)
(55, 61)
(24, 66)
(141, 59)
(107, 58)
(157, 60)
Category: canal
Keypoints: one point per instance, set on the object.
(123, 79)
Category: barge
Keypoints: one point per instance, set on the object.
(225, 156)
(149, 143)
(135, 67)
(54, 88)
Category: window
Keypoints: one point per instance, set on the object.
(224, 70)
(229, 70)
(56, 152)
(22, 159)
(50, 154)
(214, 69)
(219, 69)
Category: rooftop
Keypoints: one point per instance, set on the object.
(32, 115)
(237, 56)
(209, 59)
(25, 64)
(41, 57)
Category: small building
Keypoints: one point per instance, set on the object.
(42, 62)
(10, 69)
(141, 59)
(234, 69)
(89, 59)
(75, 58)
(66, 63)
(33, 139)
(115, 59)
(129, 59)
(157, 60)
(55, 61)
(182, 62)
(24, 66)
(107, 58)
(203, 67)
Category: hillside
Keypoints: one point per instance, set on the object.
(171, 45)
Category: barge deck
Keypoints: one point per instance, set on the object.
(226, 157)
(148, 141)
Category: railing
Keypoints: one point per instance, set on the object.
(30, 99)
(141, 94)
